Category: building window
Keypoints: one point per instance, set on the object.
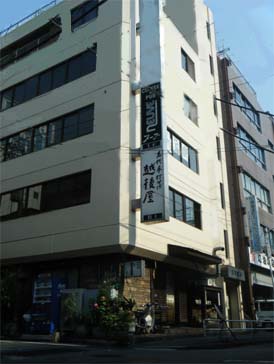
(227, 252)
(267, 237)
(49, 80)
(34, 41)
(215, 108)
(84, 13)
(190, 109)
(182, 151)
(211, 65)
(184, 209)
(251, 148)
(208, 30)
(188, 64)
(252, 114)
(222, 194)
(271, 145)
(56, 194)
(218, 146)
(252, 187)
(67, 127)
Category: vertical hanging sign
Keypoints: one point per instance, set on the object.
(152, 161)
(154, 186)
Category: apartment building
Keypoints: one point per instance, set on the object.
(90, 194)
(249, 140)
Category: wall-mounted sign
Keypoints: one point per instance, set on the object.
(253, 223)
(260, 259)
(233, 273)
(151, 120)
(134, 268)
(152, 188)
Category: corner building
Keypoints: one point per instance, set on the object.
(71, 174)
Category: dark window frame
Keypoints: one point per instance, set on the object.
(82, 16)
(242, 100)
(226, 244)
(28, 211)
(190, 65)
(197, 211)
(222, 195)
(47, 123)
(211, 65)
(93, 51)
(190, 148)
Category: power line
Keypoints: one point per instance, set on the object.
(255, 144)
(245, 108)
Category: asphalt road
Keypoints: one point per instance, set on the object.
(154, 352)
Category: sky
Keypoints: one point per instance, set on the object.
(246, 27)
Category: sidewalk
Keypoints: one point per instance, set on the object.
(181, 340)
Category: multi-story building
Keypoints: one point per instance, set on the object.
(249, 140)
(71, 148)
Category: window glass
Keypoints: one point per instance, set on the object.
(90, 14)
(25, 142)
(83, 14)
(59, 75)
(3, 144)
(178, 206)
(193, 160)
(211, 65)
(31, 88)
(40, 138)
(7, 99)
(184, 60)
(187, 106)
(191, 69)
(70, 126)
(185, 155)
(74, 68)
(171, 203)
(19, 94)
(189, 211)
(45, 82)
(208, 30)
(197, 213)
(51, 196)
(54, 132)
(13, 204)
(88, 62)
(82, 187)
(34, 198)
(13, 149)
(169, 142)
(85, 122)
(176, 148)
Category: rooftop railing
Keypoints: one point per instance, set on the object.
(29, 17)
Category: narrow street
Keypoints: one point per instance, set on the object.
(153, 352)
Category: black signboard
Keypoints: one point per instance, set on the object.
(151, 122)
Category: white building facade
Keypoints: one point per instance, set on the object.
(71, 169)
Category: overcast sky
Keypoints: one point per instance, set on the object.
(244, 26)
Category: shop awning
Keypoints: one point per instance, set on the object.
(188, 253)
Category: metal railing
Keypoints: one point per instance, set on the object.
(221, 326)
(29, 17)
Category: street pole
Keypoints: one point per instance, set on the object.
(269, 258)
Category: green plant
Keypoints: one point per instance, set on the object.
(111, 314)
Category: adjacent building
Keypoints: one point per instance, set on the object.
(249, 140)
(80, 181)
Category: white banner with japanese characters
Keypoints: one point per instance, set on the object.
(152, 186)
